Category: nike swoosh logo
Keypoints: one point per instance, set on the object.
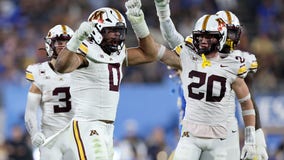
(234, 131)
(223, 66)
(222, 139)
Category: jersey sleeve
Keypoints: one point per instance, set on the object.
(32, 74)
(83, 49)
(29, 73)
(188, 43)
(251, 61)
(242, 70)
(178, 49)
(236, 67)
(170, 34)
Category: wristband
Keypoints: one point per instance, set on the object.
(248, 112)
(141, 29)
(74, 43)
(250, 135)
(242, 100)
(161, 52)
(163, 11)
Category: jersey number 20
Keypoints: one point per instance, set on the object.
(209, 88)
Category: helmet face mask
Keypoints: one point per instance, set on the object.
(110, 29)
(210, 39)
(209, 34)
(56, 39)
(113, 38)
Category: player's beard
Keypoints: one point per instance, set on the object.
(212, 47)
(111, 45)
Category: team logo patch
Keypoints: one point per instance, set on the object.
(93, 132)
(185, 134)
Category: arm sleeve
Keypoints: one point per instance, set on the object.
(170, 34)
(33, 103)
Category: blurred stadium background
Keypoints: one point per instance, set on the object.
(147, 110)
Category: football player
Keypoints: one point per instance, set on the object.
(207, 81)
(233, 39)
(95, 55)
(50, 92)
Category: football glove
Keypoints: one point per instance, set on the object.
(136, 17)
(163, 9)
(260, 145)
(249, 149)
(84, 30)
(38, 139)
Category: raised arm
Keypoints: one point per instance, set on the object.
(148, 50)
(68, 60)
(168, 30)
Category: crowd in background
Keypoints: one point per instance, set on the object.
(24, 24)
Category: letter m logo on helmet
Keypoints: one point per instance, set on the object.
(98, 15)
(104, 14)
(221, 24)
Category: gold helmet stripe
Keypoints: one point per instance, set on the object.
(205, 22)
(229, 17)
(118, 15)
(64, 29)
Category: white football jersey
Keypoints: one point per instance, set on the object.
(56, 99)
(207, 91)
(247, 58)
(95, 88)
(251, 64)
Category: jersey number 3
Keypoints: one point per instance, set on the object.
(212, 79)
(66, 99)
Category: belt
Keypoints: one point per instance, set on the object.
(107, 121)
